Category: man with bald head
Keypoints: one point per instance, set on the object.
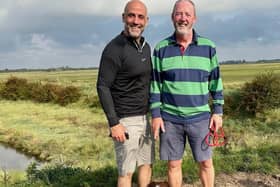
(123, 89)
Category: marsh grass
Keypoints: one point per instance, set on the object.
(48, 131)
(75, 138)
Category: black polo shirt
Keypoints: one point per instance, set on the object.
(124, 78)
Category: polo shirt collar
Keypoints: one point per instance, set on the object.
(172, 38)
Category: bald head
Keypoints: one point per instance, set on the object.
(134, 4)
(135, 18)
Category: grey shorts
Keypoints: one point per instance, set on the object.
(173, 140)
(138, 149)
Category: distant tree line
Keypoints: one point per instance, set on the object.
(64, 68)
(67, 68)
(250, 62)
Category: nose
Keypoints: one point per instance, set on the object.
(183, 17)
(136, 20)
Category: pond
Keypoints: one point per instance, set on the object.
(10, 159)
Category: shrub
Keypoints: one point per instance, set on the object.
(261, 94)
(15, 89)
(69, 94)
(94, 102)
(40, 93)
(232, 102)
(1, 88)
(19, 89)
(63, 175)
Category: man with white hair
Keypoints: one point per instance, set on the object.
(185, 73)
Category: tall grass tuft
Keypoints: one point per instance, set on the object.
(19, 89)
(255, 97)
(15, 89)
(261, 94)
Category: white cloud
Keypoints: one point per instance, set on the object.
(41, 42)
(249, 50)
(44, 52)
(51, 33)
(115, 7)
(3, 14)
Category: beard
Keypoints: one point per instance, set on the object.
(183, 29)
(134, 31)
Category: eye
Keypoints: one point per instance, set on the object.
(178, 13)
(130, 15)
(141, 16)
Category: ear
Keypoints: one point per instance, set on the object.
(172, 16)
(194, 20)
(147, 21)
(123, 17)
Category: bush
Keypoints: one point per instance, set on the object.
(94, 102)
(19, 89)
(15, 89)
(232, 103)
(62, 175)
(67, 95)
(261, 94)
(41, 93)
(1, 88)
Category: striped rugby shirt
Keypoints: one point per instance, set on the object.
(182, 81)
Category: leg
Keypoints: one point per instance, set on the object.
(203, 155)
(126, 153)
(125, 180)
(146, 155)
(175, 173)
(207, 173)
(172, 145)
(144, 175)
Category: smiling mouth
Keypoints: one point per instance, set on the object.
(182, 24)
(135, 29)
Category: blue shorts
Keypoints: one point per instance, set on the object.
(173, 140)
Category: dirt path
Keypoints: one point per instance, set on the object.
(240, 179)
(243, 180)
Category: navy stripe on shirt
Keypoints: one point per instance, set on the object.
(192, 50)
(188, 75)
(185, 101)
(215, 74)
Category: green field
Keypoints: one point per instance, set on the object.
(238, 74)
(76, 136)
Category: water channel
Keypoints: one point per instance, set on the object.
(10, 159)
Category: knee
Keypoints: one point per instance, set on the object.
(206, 164)
(126, 176)
(174, 164)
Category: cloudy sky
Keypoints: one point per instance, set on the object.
(56, 33)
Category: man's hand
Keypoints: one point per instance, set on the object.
(216, 121)
(157, 123)
(118, 132)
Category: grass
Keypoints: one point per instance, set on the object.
(49, 131)
(84, 79)
(234, 76)
(74, 139)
